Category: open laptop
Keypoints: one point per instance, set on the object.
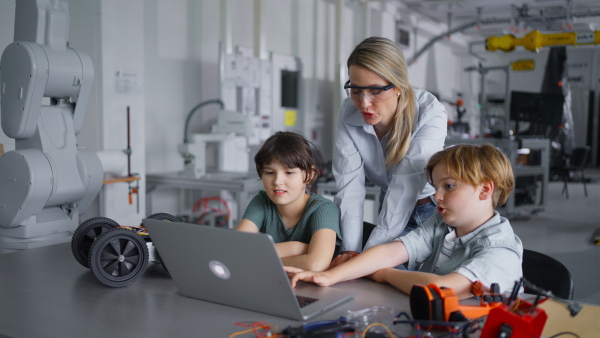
(236, 269)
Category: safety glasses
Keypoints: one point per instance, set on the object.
(374, 94)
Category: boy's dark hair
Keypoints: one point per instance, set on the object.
(476, 164)
(292, 150)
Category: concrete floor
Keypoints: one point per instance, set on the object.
(564, 231)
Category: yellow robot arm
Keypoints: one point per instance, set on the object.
(535, 40)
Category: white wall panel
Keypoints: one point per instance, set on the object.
(122, 46)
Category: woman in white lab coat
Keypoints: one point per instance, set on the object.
(386, 133)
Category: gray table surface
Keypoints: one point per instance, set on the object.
(45, 292)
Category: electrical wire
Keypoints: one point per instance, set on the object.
(370, 326)
(516, 307)
(204, 208)
(138, 230)
(564, 333)
(464, 327)
(467, 327)
(470, 328)
(254, 327)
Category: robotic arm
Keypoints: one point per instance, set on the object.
(45, 87)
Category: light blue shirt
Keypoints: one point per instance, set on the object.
(492, 253)
(359, 153)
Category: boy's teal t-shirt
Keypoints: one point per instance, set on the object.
(319, 213)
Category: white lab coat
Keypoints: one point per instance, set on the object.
(358, 153)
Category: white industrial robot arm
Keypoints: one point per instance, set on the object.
(45, 87)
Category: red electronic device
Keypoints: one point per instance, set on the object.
(520, 319)
(506, 316)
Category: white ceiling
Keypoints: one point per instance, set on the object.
(512, 16)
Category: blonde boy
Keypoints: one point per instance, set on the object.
(464, 241)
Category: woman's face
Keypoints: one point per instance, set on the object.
(377, 114)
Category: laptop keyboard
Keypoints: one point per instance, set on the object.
(304, 301)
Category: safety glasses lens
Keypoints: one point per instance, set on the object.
(373, 95)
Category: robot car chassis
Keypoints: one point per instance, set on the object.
(117, 255)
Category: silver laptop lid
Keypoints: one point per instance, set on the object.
(233, 268)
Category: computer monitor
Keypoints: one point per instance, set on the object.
(289, 88)
(537, 108)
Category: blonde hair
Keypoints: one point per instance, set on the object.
(383, 57)
(476, 164)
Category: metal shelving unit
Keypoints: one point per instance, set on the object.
(243, 186)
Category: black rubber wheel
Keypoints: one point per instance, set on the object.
(86, 233)
(164, 216)
(118, 257)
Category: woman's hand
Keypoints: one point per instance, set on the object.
(342, 258)
(296, 274)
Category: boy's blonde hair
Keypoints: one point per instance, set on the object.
(476, 164)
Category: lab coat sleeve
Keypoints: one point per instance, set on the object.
(409, 180)
(349, 175)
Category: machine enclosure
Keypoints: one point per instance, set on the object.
(526, 321)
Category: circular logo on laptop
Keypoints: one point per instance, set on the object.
(219, 269)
